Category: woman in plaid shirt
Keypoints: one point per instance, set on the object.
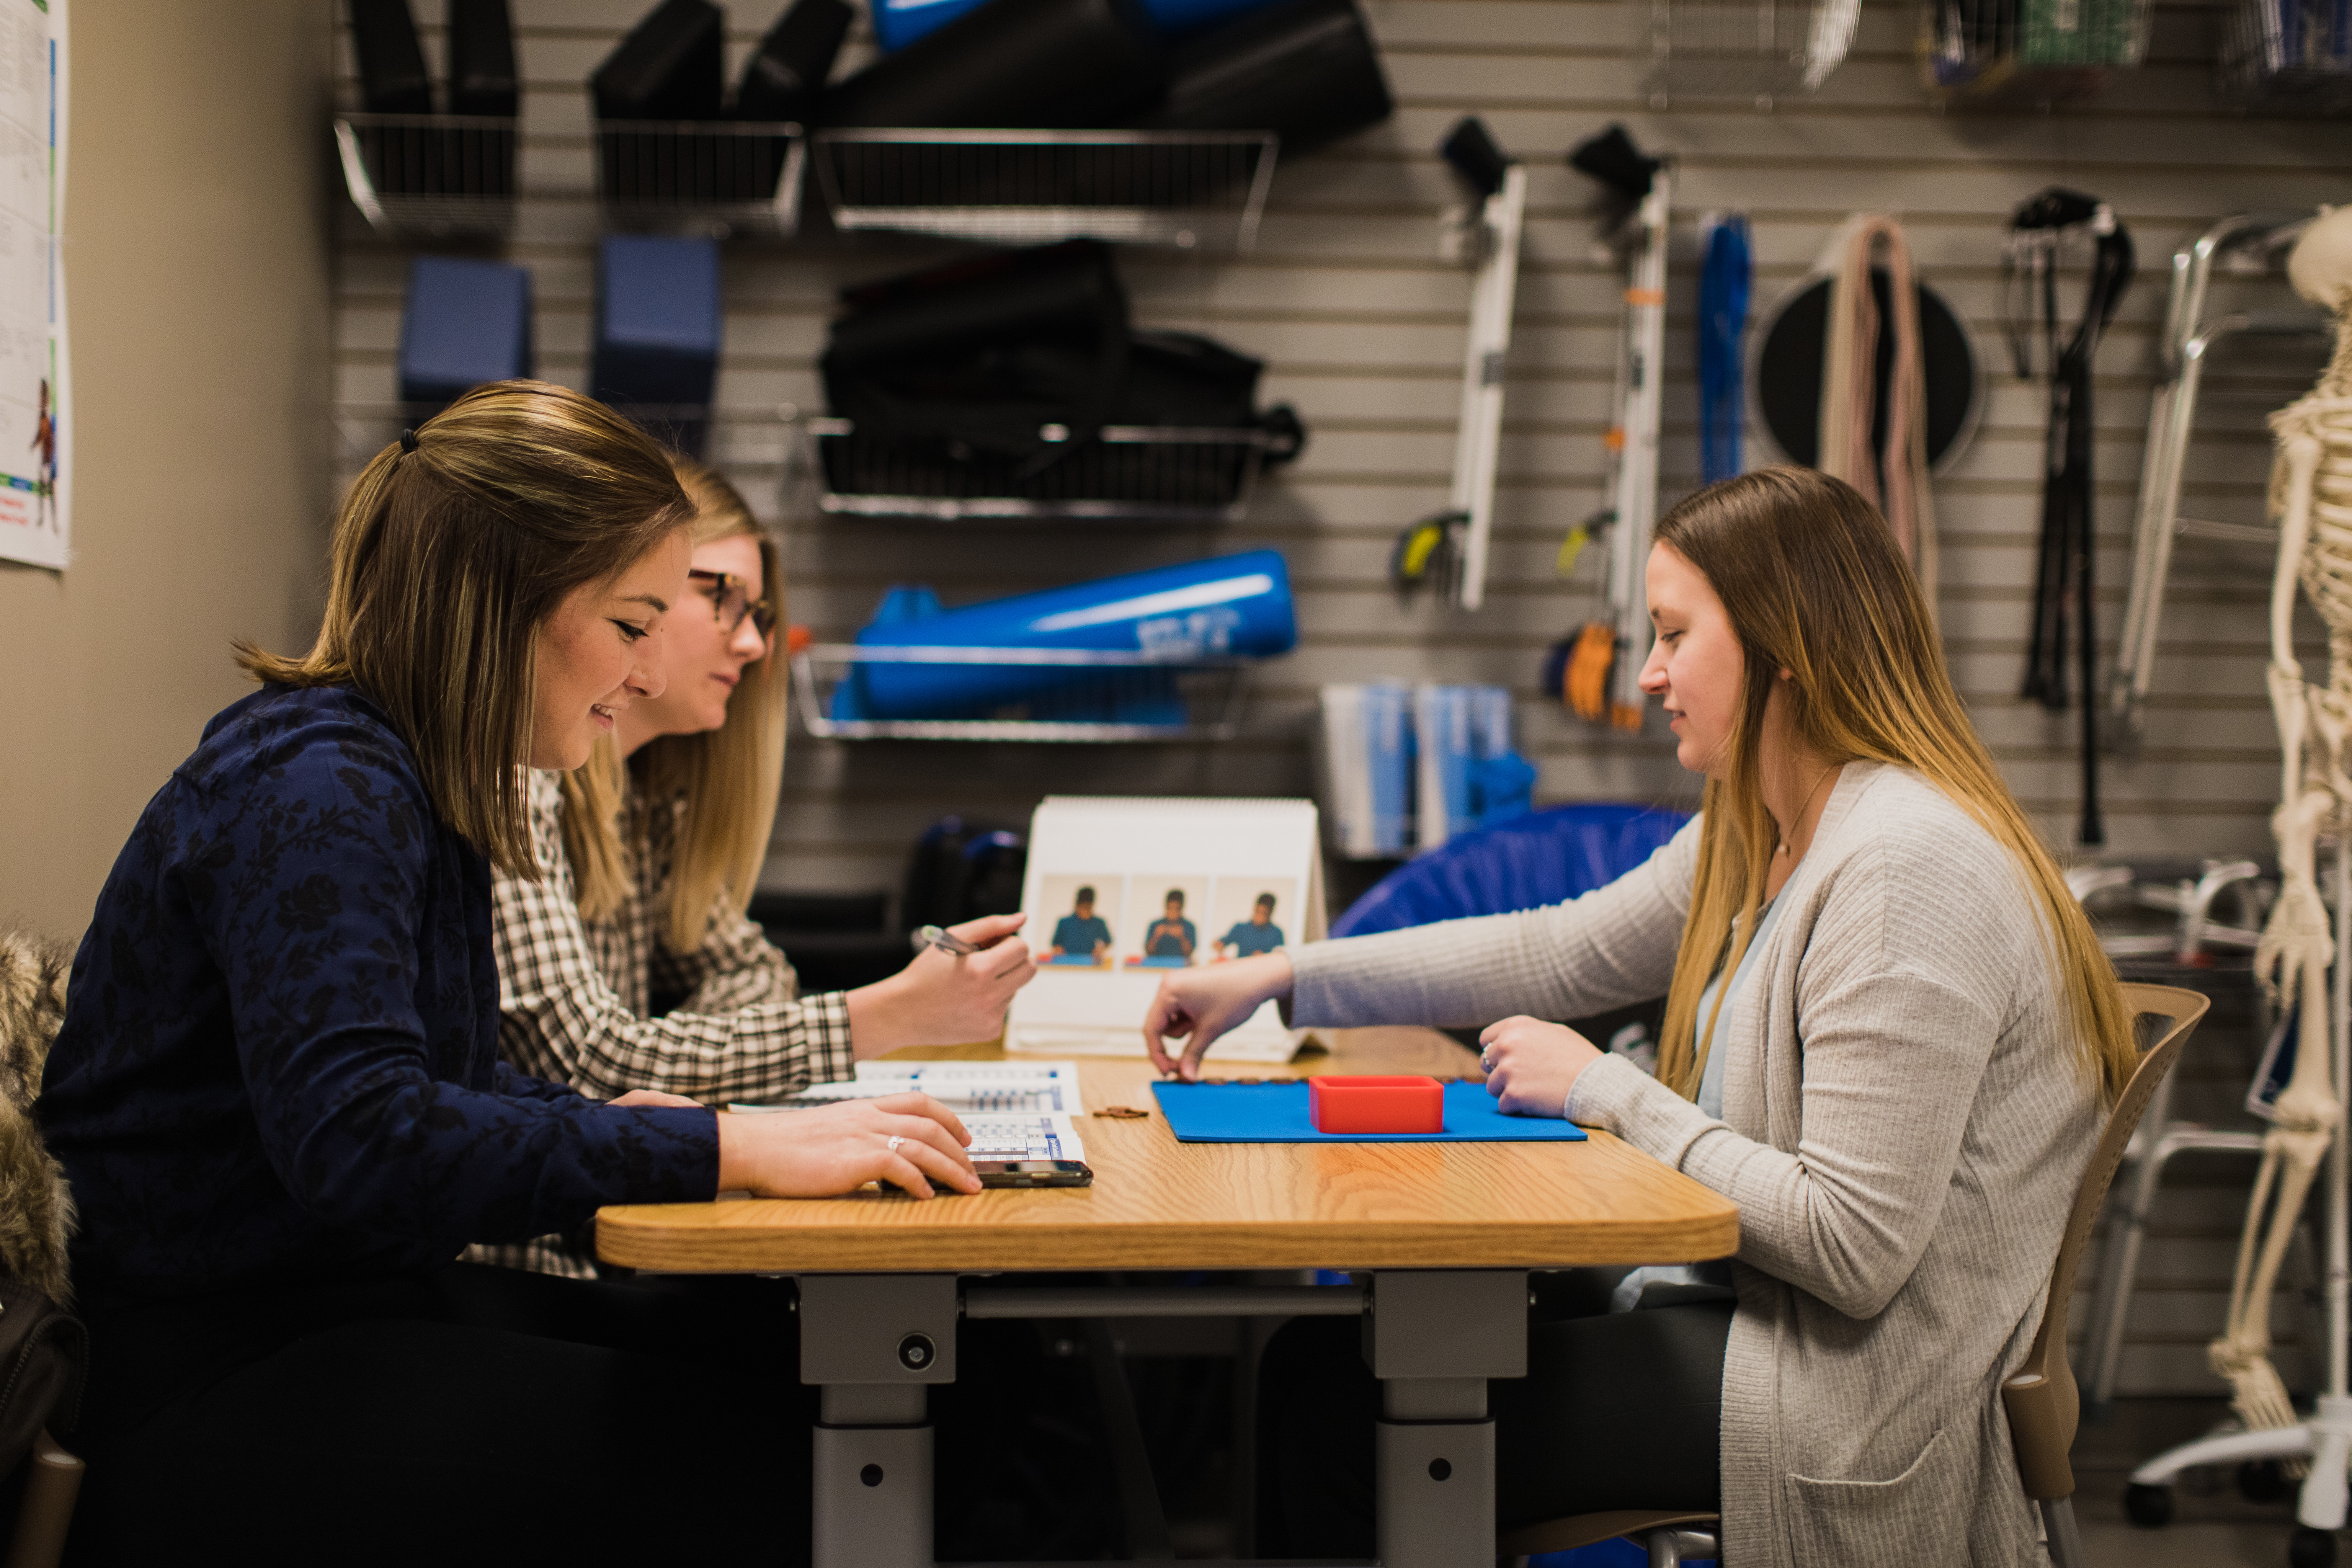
(630, 963)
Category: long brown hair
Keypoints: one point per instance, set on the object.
(446, 560)
(730, 776)
(1808, 574)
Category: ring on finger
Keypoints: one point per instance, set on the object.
(1486, 1061)
(895, 1141)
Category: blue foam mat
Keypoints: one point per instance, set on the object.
(1276, 1113)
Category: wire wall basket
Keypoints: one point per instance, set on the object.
(2029, 50)
(433, 176)
(1130, 471)
(2286, 57)
(1070, 695)
(1762, 49)
(721, 178)
(1183, 188)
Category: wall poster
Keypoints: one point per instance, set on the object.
(35, 428)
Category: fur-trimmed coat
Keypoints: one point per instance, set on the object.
(37, 1212)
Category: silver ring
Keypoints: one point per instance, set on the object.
(895, 1141)
(1485, 1062)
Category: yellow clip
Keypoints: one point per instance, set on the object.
(1418, 545)
(1624, 718)
(1564, 564)
(1638, 297)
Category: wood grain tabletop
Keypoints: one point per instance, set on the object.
(1159, 1204)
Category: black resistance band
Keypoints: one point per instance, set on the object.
(2062, 601)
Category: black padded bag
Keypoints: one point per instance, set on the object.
(980, 354)
(1051, 64)
(393, 79)
(44, 1361)
(482, 78)
(787, 72)
(1306, 69)
(668, 67)
(961, 869)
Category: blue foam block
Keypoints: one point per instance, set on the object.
(466, 322)
(1276, 1113)
(657, 321)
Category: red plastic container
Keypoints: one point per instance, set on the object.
(1376, 1104)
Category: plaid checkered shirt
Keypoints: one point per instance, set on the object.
(575, 995)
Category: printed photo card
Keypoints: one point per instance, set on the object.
(1123, 889)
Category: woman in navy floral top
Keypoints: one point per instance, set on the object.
(278, 1097)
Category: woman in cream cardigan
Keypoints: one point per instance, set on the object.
(1900, 1084)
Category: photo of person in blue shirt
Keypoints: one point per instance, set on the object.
(1253, 936)
(1081, 936)
(1171, 936)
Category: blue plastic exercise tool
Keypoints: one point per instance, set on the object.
(1234, 604)
(657, 325)
(897, 23)
(1276, 1113)
(1723, 290)
(1544, 857)
(466, 322)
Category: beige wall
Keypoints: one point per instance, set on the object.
(196, 278)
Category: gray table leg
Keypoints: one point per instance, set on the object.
(1433, 1338)
(873, 1343)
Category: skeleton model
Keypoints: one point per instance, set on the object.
(2311, 493)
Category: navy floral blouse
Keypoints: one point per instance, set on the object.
(280, 1059)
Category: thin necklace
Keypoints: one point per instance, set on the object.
(1826, 773)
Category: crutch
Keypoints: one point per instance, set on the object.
(1454, 543)
(2187, 342)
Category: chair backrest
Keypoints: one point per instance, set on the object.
(2044, 1405)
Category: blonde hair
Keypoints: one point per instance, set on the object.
(730, 776)
(1813, 582)
(446, 560)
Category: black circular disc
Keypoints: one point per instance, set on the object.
(1785, 375)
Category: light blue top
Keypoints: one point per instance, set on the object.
(1710, 1101)
(1710, 1082)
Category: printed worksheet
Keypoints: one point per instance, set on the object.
(961, 1087)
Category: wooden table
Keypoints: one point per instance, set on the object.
(1446, 1232)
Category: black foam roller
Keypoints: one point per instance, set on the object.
(786, 72)
(482, 79)
(668, 67)
(1067, 293)
(393, 79)
(1306, 69)
(1012, 63)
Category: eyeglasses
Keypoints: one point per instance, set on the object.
(731, 602)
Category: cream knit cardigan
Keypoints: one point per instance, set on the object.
(1904, 1125)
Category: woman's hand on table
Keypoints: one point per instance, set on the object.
(834, 1149)
(1532, 1065)
(944, 999)
(1196, 1006)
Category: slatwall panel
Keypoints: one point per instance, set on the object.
(1362, 326)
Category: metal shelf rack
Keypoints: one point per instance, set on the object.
(1759, 50)
(1183, 188)
(430, 176)
(1202, 696)
(722, 178)
(1165, 472)
(2285, 57)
